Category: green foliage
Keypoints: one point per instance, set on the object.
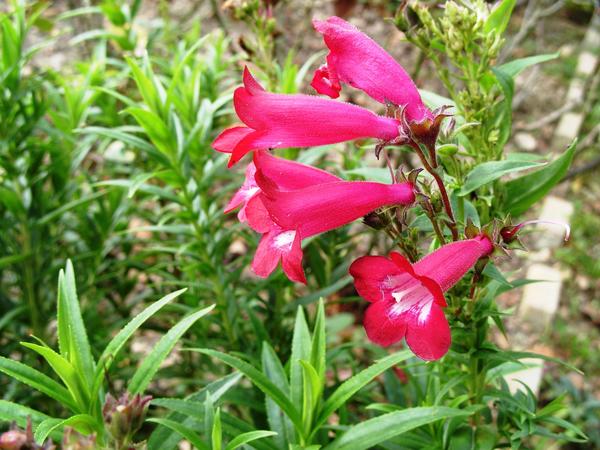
(83, 391)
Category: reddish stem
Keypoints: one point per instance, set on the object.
(443, 192)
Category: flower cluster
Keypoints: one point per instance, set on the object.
(287, 202)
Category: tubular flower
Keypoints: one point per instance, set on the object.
(407, 299)
(357, 60)
(296, 120)
(294, 201)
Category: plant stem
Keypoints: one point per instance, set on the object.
(442, 188)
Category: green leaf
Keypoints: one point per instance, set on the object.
(311, 393)
(116, 344)
(59, 212)
(65, 370)
(379, 429)
(250, 436)
(301, 346)
(261, 382)
(490, 270)
(499, 17)
(503, 110)
(38, 381)
(514, 68)
(83, 423)
(156, 129)
(273, 369)
(13, 412)
(357, 382)
(216, 435)
(72, 337)
(184, 431)
(143, 375)
(523, 192)
(434, 101)
(164, 438)
(146, 87)
(319, 343)
(487, 172)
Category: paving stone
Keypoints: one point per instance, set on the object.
(540, 300)
(586, 64)
(576, 91)
(568, 129)
(531, 376)
(525, 141)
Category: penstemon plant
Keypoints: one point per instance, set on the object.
(425, 301)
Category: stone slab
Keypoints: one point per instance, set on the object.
(540, 300)
(531, 376)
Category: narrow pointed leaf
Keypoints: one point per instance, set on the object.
(38, 381)
(374, 431)
(151, 363)
(65, 370)
(243, 439)
(116, 344)
(261, 382)
(357, 382)
(71, 328)
(184, 431)
(301, 346)
(83, 423)
(524, 191)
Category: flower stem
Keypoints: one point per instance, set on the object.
(443, 192)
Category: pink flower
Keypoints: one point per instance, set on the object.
(356, 59)
(295, 201)
(407, 300)
(296, 120)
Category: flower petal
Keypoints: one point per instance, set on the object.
(291, 262)
(257, 216)
(327, 206)
(381, 325)
(325, 83)
(279, 245)
(248, 190)
(428, 333)
(371, 277)
(289, 175)
(356, 59)
(283, 120)
(448, 264)
(230, 138)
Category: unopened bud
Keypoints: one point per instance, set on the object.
(378, 220)
(13, 440)
(125, 416)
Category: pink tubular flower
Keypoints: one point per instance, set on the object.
(294, 201)
(296, 120)
(407, 299)
(356, 59)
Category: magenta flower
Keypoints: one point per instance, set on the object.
(287, 201)
(296, 120)
(357, 60)
(407, 299)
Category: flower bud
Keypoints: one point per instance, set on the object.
(125, 416)
(13, 440)
(72, 440)
(377, 220)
